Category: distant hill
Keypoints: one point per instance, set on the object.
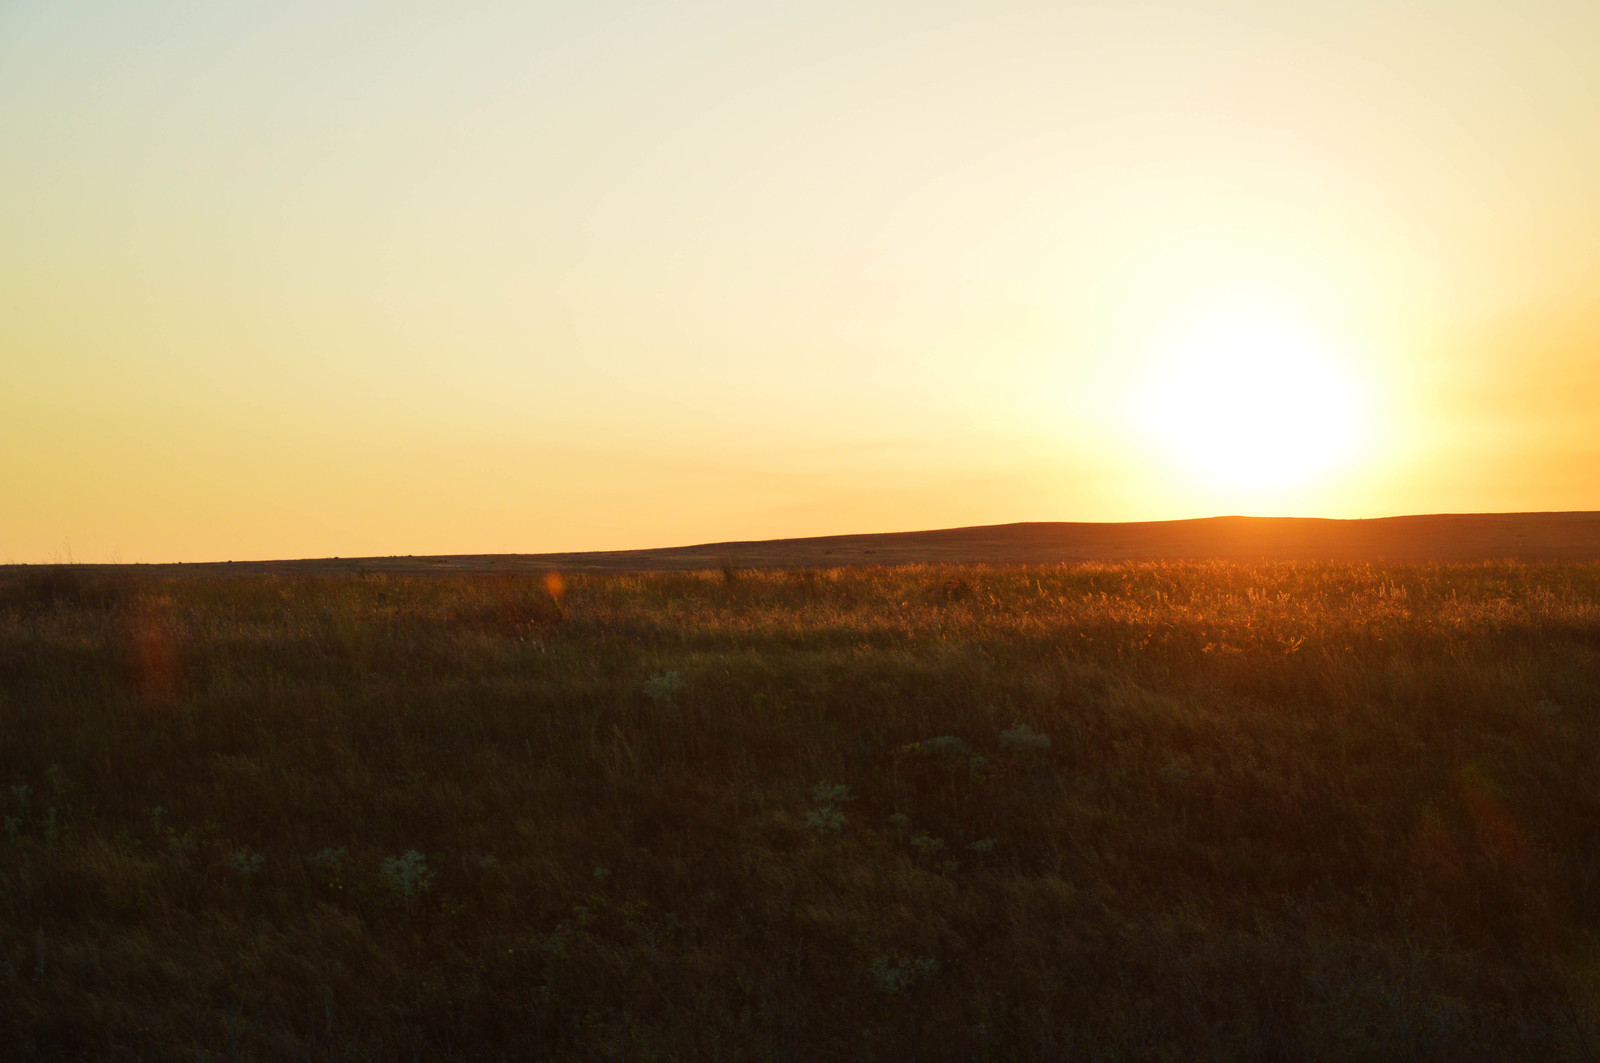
(1453, 537)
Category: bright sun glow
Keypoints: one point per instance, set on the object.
(1254, 406)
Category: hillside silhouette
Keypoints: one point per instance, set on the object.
(1450, 537)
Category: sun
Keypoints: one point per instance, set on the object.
(1253, 405)
(1248, 371)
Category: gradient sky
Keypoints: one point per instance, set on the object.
(308, 279)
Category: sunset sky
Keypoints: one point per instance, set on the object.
(310, 279)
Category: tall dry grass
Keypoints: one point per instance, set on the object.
(1153, 811)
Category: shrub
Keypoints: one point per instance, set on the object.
(894, 976)
(1023, 739)
(244, 864)
(826, 818)
(329, 866)
(662, 688)
(406, 876)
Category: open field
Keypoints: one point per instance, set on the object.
(1132, 810)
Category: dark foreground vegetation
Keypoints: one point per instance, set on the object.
(1143, 811)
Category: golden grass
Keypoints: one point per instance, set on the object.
(1285, 812)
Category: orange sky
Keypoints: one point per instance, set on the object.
(337, 279)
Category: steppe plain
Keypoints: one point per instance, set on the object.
(1305, 790)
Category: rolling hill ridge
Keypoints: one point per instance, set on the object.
(1448, 538)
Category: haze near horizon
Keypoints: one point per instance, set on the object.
(340, 279)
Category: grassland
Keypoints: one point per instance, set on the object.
(1130, 811)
